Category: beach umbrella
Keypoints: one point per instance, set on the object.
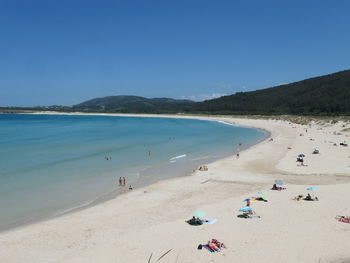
(198, 213)
(316, 149)
(245, 209)
(312, 188)
(301, 155)
(277, 181)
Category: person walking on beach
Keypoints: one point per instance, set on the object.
(120, 181)
(123, 181)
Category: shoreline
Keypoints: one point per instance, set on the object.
(118, 192)
(151, 219)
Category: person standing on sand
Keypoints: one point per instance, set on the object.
(123, 181)
(120, 181)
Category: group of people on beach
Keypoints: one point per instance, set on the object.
(344, 219)
(203, 168)
(214, 245)
(307, 198)
(300, 160)
(122, 182)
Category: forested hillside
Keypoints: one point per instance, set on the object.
(329, 94)
(134, 104)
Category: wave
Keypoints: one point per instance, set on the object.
(173, 159)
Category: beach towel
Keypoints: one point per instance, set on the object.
(210, 221)
(208, 248)
(344, 220)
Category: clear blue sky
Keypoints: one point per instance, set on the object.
(64, 52)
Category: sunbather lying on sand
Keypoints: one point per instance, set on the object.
(203, 220)
(298, 198)
(218, 244)
(248, 214)
(344, 219)
(203, 168)
(214, 245)
(278, 188)
(309, 198)
(196, 221)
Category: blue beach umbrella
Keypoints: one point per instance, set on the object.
(316, 149)
(301, 155)
(245, 209)
(277, 181)
(311, 188)
(198, 213)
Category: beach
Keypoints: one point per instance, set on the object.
(150, 221)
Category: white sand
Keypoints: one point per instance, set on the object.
(151, 220)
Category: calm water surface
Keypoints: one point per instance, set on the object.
(50, 164)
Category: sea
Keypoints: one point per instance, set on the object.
(55, 164)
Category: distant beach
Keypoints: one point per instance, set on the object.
(149, 222)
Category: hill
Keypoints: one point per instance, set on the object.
(134, 104)
(324, 95)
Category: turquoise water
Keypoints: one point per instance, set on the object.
(50, 164)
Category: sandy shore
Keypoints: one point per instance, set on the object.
(150, 220)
